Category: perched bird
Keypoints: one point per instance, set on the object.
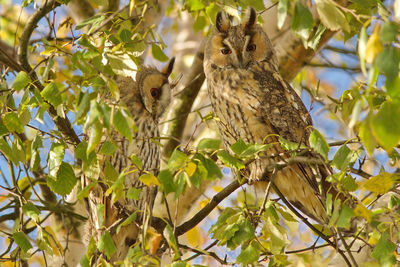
(146, 99)
(252, 102)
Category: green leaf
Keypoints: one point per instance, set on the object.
(381, 183)
(206, 164)
(95, 135)
(35, 153)
(195, 5)
(133, 193)
(253, 149)
(318, 143)
(283, 8)
(110, 172)
(230, 161)
(366, 135)
(158, 53)
(106, 244)
(199, 23)
(342, 158)
(388, 61)
(180, 264)
(6, 150)
(349, 183)
(384, 250)
(180, 183)
(12, 122)
(385, 128)
(21, 81)
(345, 216)
(177, 160)
(249, 254)
(125, 35)
(121, 125)
(288, 145)
(303, 21)
(314, 40)
(209, 144)
(212, 11)
(65, 181)
(94, 21)
(239, 146)
(21, 239)
(100, 210)
(84, 106)
(170, 237)
(108, 148)
(136, 161)
(392, 87)
(127, 221)
(31, 211)
(19, 150)
(3, 129)
(331, 16)
(167, 181)
(245, 232)
(54, 160)
(85, 191)
(51, 94)
(388, 32)
(80, 151)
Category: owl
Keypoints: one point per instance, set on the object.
(146, 99)
(253, 103)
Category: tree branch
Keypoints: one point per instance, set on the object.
(28, 30)
(199, 216)
(63, 124)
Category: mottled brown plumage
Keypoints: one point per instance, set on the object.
(146, 99)
(254, 103)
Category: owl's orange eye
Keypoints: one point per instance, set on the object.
(251, 47)
(226, 51)
(155, 92)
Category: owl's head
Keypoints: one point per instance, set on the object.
(154, 88)
(240, 45)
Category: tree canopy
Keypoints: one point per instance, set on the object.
(59, 60)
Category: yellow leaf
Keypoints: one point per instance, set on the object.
(193, 237)
(373, 238)
(2, 198)
(190, 168)
(381, 183)
(217, 188)
(55, 244)
(362, 211)
(203, 203)
(49, 51)
(149, 179)
(131, 6)
(154, 241)
(374, 45)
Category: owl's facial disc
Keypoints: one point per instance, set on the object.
(238, 46)
(155, 93)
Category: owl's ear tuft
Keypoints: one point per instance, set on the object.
(250, 18)
(168, 68)
(222, 21)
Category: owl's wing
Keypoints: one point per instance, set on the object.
(283, 109)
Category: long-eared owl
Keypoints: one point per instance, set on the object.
(253, 103)
(146, 99)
